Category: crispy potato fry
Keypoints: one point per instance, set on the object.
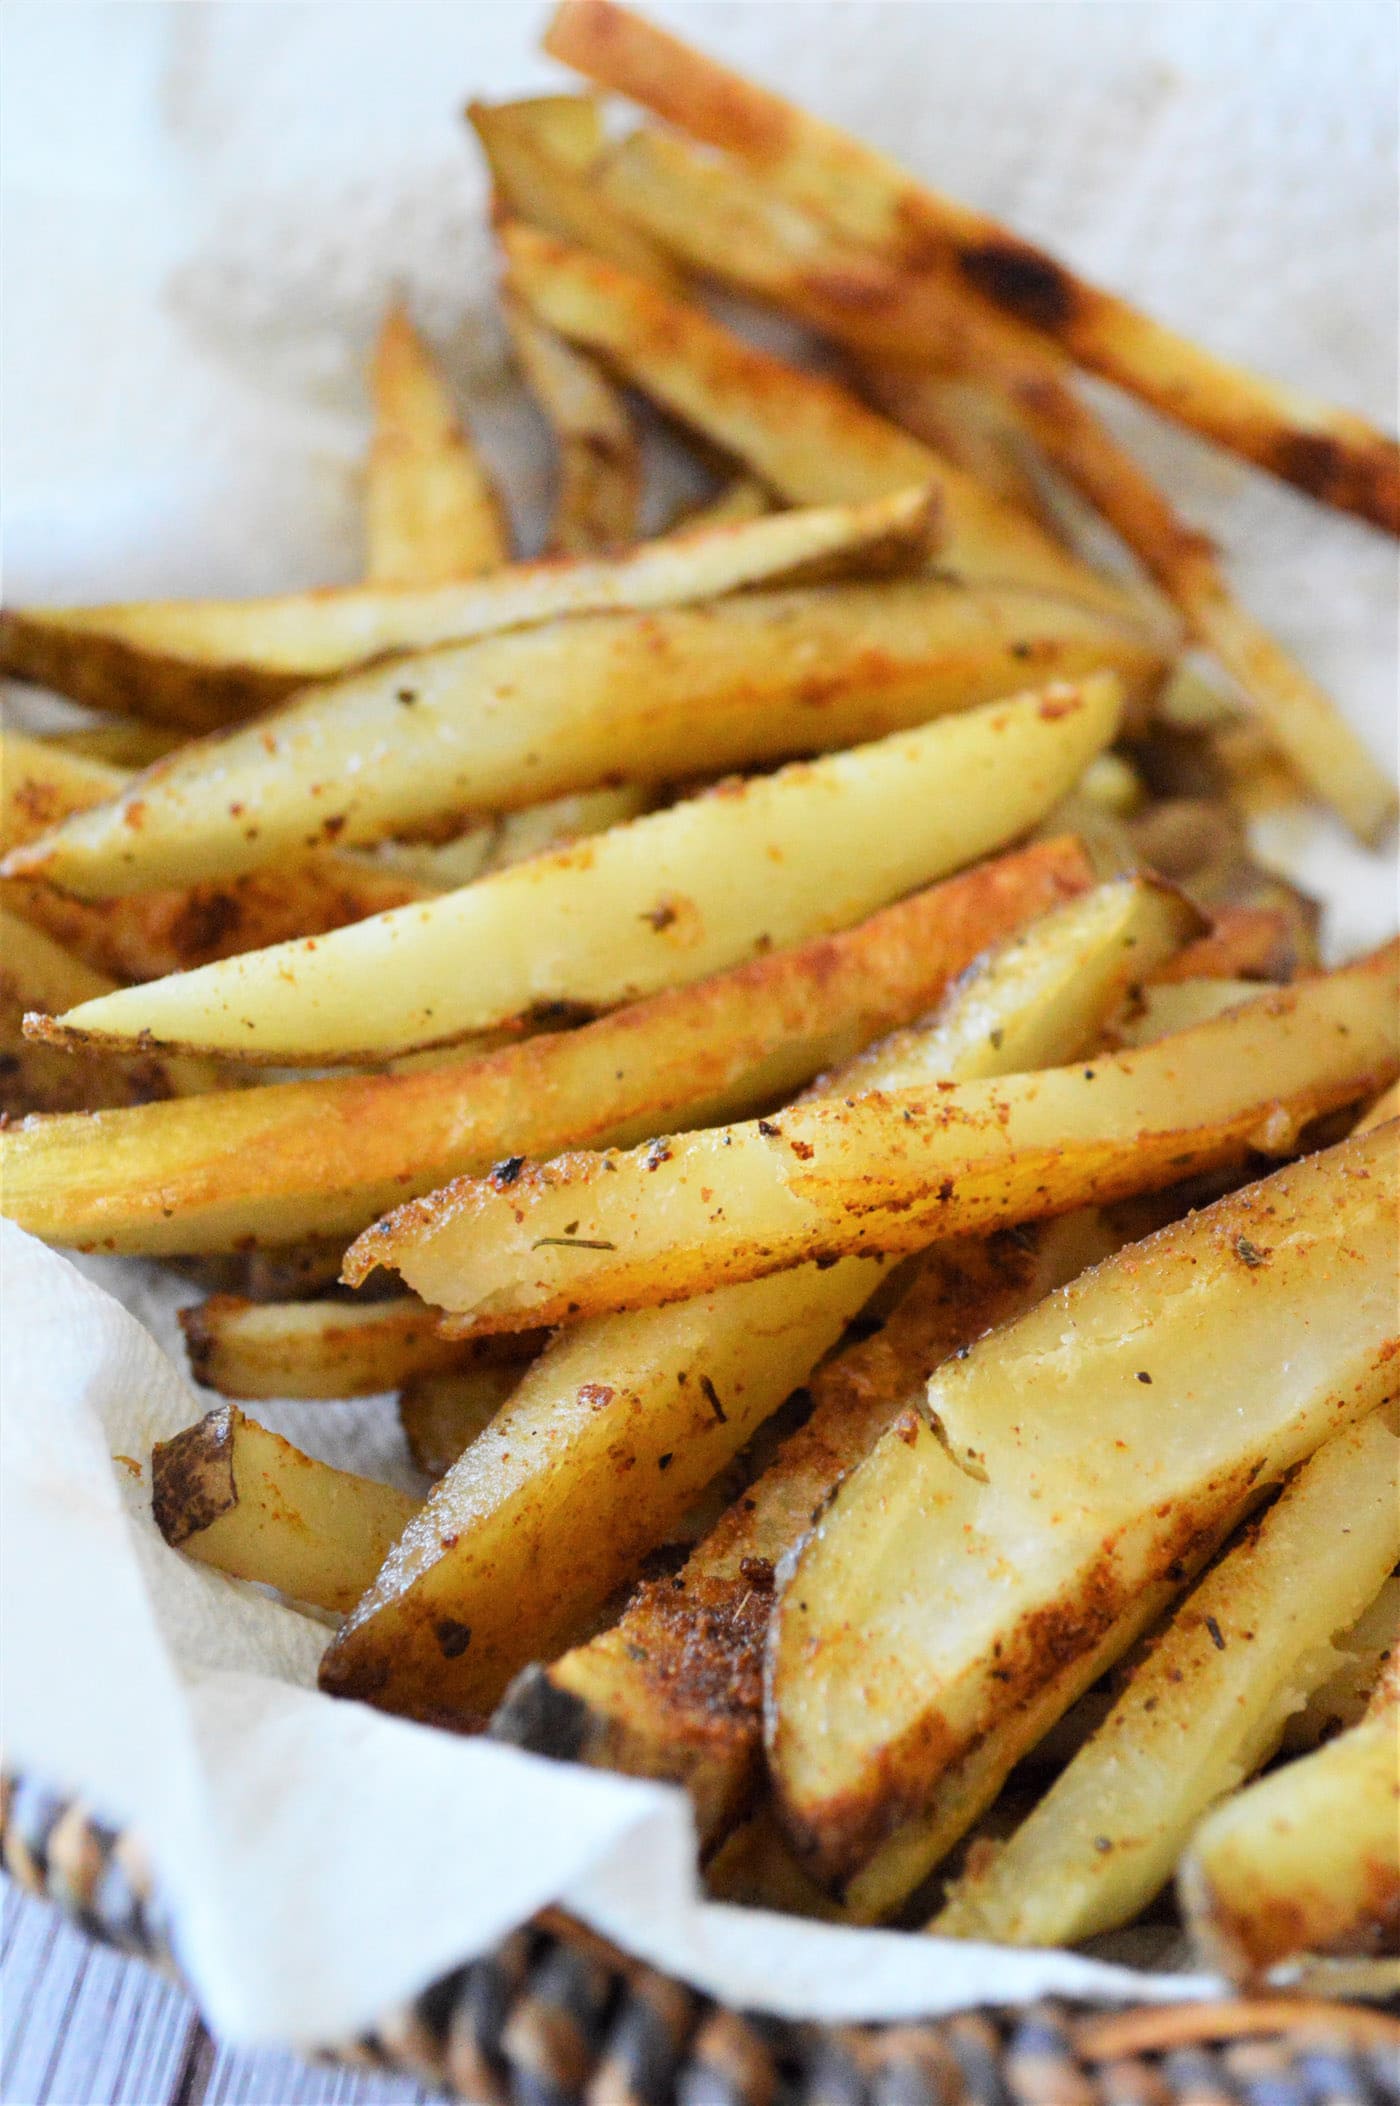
(721, 221)
(251, 1349)
(569, 128)
(269, 1165)
(1333, 454)
(34, 974)
(238, 1497)
(751, 866)
(1359, 1658)
(617, 1426)
(599, 493)
(219, 660)
(805, 437)
(441, 1414)
(1307, 1860)
(549, 189)
(171, 931)
(432, 513)
(892, 1171)
(1201, 1712)
(674, 1688)
(1032, 1534)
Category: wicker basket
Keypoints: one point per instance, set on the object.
(555, 2015)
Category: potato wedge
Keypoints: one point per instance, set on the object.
(549, 188)
(238, 1497)
(673, 1689)
(329, 1349)
(722, 221)
(266, 1166)
(1333, 454)
(41, 784)
(980, 1552)
(617, 1426)
(432, 513)
(205, 663)
(598, 495)
(1307, 1860)
(1359, 1659)
(35, 973)
(893, 1171)
(441, 1414)
(804, 436)
(1201, 1713)
(748, 867)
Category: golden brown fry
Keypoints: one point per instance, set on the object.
(674, 1688)
(804, 436)
(982, 1551)
(542, 186)
(218, 660)
(892, 1171)
(252, 1349)
(35, 973)
(750, 866)
(1307, 1860)
(599, 490)
(431, 511)
(238, 1497)
(619, 1423)
(721, 221)
(1333, 454)
(270, 1165)
(442, 1413)
(1201, 1712)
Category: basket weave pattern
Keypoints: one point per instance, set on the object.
(555, 2016)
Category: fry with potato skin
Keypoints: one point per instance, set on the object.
(1333, 454)
(431, 511)
(599, 464)
(892, 1171)
(268, 1165)
(234, 1495)
(325, 1349)
(619, 1424)
(1201, 1712)
(1035, 1533)
(804, 436)
(750, 866)
(1306, 1860)
(220, 660)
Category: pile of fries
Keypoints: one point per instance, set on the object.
(895, 1246)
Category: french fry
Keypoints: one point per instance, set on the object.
(1176, 1005)
(432, 513)
(1333, 454)
(1201, 1713)
(648, 698)
(331, 1349)
(568, 128)
(674, 1688)
(892, 1171)
(441, 1414)
(34, 973)
(1358, 1659)
(551, 189)
(1306, 1860)
(983, 1552)
(266, 1166)
(599, 489)
(240, 1498)
(751, 866)
(206, 663)
(805, 437)
(719, 220)
(618, 1425)
(171, 931)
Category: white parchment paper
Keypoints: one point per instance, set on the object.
(204, 210)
